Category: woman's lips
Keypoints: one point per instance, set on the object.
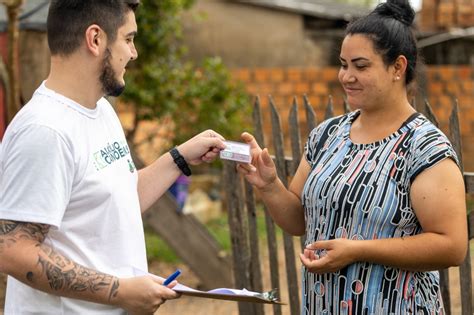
(351, 90)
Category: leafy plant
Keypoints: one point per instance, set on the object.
(160, 83)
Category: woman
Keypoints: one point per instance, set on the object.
(379, 192)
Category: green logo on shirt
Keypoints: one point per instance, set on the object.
(112, 153)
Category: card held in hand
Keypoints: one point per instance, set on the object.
(236, 151)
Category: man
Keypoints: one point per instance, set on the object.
(71, 234)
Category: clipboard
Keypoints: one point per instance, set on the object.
(243, 295)
(228, 294)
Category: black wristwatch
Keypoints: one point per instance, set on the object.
(180, 161)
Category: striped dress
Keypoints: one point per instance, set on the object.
(362, 191)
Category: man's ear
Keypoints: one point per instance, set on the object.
(95, 38)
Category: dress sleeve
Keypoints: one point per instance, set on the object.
(430, 147)
(317, 138)
(37, 176)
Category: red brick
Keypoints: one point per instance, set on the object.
(242, 75)
(465, 13)
(261, 75)
(301, 88)
(277, 75)
(446, 14)
(454, 88)
(320, 89)
(465, 72)
(285, 88)
(294, 74)
(266, 89)
(330, 74)
(433, 74)
(252, 88)
(435, 88)
(466, 102)
(467, 87)
(313, 74)
(446, 73)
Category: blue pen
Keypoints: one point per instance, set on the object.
(173, 276)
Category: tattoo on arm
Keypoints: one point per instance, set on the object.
(61, 273)
(13, 231)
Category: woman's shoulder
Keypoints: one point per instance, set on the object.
(340, 120)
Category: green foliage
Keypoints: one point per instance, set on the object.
(161, 83)
(217, 227)
(157, 248)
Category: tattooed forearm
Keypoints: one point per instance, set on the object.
(12, 231)
(65, 275)
(51, 269)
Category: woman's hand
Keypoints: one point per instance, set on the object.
(262, 171)
(328, 256)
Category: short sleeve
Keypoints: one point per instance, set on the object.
(317, 138)
(430, 147)
(36, 176)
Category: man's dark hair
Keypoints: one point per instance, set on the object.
(389, 27)
(69, 19)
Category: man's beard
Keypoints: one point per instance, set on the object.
(111, 86)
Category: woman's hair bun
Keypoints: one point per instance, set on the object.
(400, 10)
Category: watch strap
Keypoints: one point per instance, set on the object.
(180, 161)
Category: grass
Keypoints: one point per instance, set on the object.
(158, 249)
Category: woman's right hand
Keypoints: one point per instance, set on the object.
(261, 172)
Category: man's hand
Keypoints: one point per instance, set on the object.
(204, 147)
(143, 295)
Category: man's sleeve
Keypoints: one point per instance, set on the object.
(37, 176)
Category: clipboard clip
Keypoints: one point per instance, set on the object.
(271, 295)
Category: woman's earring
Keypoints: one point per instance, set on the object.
(397, 78)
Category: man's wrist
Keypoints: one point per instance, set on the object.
(180, 162)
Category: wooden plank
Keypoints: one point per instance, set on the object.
(470, 222)
(238, 234)
(191, 241)
(255, 272)
(469, 182)
(287, 239)
(273, 258)
(294, 137)
(347, 108)
(310, 115)
(466, 284)
(329, 109)
(269, 224)
(429, 114)
(455, 131)
(193, 244)
(444, 285)
(295, 148)
(465, 268)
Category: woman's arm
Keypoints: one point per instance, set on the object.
(438, 199)
(284, 205)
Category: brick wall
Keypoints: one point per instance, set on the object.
(445, 14)
(444, 83)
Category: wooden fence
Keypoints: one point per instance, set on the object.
(242, 214)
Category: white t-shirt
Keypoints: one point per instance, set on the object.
(70, 167)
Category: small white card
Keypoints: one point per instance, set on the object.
(236, 151)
